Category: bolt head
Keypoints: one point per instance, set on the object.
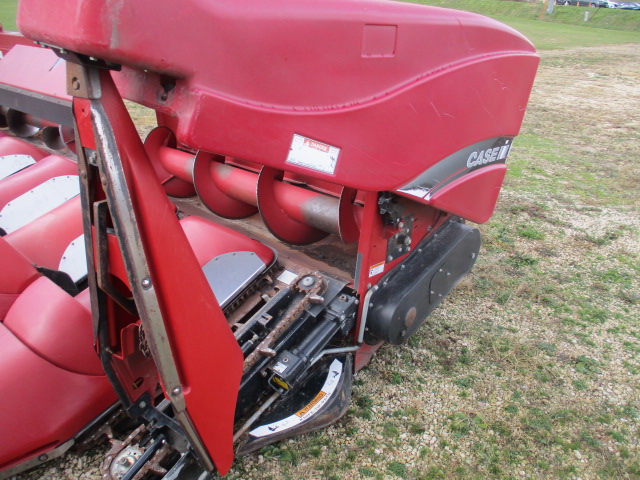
(307, 281)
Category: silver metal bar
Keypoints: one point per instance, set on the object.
(365, 313)
(255, 416)
(334, 351)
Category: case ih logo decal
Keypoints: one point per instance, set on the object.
(490, 155)
(458, 164)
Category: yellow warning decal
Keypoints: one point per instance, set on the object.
(313, 402)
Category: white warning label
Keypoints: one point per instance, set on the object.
(376, 269)
(309, 153)
(323, 396)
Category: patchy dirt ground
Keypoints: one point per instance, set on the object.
(531, 369)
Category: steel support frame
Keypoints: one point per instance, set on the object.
(103, 175)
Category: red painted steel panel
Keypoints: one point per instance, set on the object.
(15, 146)
(44, 240)
(55, 326)
(9, 39)
(208, 240)
(35, 69)
(41, 404)
(472, 196)
(17, 274)
(322, 69)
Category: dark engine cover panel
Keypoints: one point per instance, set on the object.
(408, 294)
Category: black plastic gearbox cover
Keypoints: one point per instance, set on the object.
(412, 290)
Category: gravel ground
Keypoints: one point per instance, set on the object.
(531, 368)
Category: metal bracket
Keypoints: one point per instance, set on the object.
(83, 82)
(400, 243)
(100, 210)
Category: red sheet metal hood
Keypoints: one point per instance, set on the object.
(396, 87)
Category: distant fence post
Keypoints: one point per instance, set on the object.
(586, 16)
(550, 6)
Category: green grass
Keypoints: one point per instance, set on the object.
(566, 28)
(600, 18)
(8, 10)
(553, 36)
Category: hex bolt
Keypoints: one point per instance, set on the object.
(176, 391)
(389, 258)
(307, 281)
(75, 83)
(146, 283)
